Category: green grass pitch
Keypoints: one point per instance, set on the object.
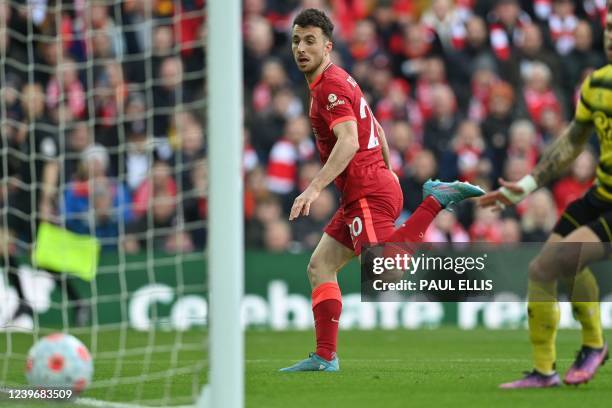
(421, 368)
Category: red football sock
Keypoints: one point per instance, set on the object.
(326, 308)
(413, 230)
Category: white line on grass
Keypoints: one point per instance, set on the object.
(90, 402)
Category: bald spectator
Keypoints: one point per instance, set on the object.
(440, 129)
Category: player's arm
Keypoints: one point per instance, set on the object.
(552, 163)
(341, 155)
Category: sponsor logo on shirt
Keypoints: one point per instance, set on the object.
(335, 102)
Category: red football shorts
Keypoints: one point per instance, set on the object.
(368, 220)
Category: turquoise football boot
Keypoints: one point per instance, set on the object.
(314, 363)
(450, 193)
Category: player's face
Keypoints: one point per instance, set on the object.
(608, 34)
(310, 47)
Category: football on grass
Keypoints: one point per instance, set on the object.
(59, 361)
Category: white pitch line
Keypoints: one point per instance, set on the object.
(91, 402)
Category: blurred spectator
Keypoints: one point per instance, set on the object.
(196, 204)
(596, 10)
(475, 52)
(157, 219)
(574, 185)
(364, 44)
(561, 24)
(497, 123)
(511, 231)
(160, 183)
(422, 168)
(398, 105)
(308, 230)
(523, 143)
(411, 48)
(37, 166)
(532, 51)
(273, 78)
(483, 80)
(538, 94)
(99, 21)
(467, 160)
(95, 204)
(403, 146)
(292, 149)
(307, 173)
(190, 140)
(167, 94)
(540, 216)
(486, 227)
(110, 95)
(440, 129)
(259, 40)
(448, 22)
(446, 228)
(582, 57)
(65, 87)
(137, 158)
(433, 75)
(507, 22)
(79, 137)
(277, 236)
(268, 126)
(268, 210)
(552, 125)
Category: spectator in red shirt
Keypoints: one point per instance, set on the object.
(295, 147)
(538, 94)
(363, 44)
(562, 24)
(273, 78)
(575, 184)
(66, 88)
(487, 227)
(505, 29)
(523, 143)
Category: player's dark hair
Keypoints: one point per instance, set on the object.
(315, 18)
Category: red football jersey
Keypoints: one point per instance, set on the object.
(335, 97)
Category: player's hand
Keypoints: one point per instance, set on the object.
(497, 199)
(301, 205)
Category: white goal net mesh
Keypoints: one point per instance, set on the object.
(104, 169)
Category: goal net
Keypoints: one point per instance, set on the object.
(104, 192)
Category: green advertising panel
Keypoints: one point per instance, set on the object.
(170, 291)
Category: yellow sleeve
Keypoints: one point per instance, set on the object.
(583, 107)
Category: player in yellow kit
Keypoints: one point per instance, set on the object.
(582, 235)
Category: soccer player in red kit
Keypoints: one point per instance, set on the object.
(355, 155)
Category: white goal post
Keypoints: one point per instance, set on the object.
(226, 261)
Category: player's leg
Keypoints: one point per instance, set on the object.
(437, 195)
(543, 311)
(330, 255)
(543, 318)
(594, 243)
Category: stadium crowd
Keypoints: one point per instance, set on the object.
(467, 89)
(102, 121)
(106, 103)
